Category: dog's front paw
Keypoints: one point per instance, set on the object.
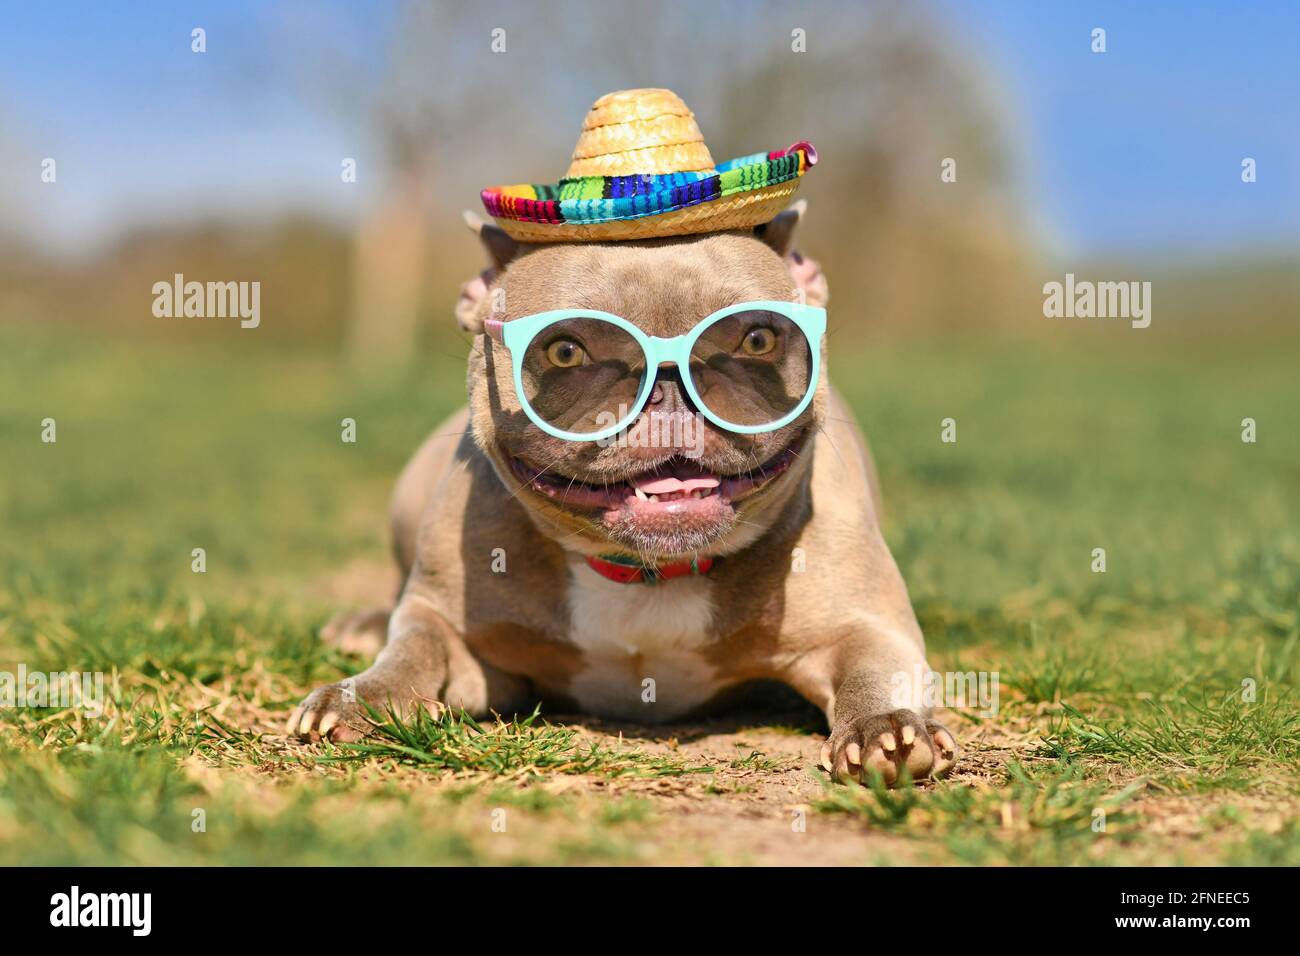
(332, 712)
(335, 712)
(887, 743)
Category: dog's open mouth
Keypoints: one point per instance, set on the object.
(679, 486)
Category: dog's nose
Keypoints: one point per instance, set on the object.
(670, 392)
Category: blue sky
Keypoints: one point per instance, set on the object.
(1141, 146)
(144, 129)
(1137, 149)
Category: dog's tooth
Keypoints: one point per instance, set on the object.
(640, 494)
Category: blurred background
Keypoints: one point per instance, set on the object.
(226, 164)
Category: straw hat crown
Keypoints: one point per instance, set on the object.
(639, 132)
(641, 171)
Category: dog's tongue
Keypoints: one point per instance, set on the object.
(686, 478)
(662, 486)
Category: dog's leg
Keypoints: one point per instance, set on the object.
(425, 663)
(865, 684)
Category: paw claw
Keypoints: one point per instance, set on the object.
(946, 757)
(889, 744)
(327, 713)
(335, 712)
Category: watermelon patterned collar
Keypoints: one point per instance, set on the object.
(630, 571)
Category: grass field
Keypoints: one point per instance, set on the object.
(1161, 693)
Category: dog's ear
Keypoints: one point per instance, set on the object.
(810, 284)
(779, 233)
(475, 303)
(500, 248)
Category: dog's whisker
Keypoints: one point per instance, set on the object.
(831, 441)
(515, 494)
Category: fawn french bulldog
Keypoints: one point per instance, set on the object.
(539, 562)
(654, 496)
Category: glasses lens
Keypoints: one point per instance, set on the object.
(752, 368)
(583, 375)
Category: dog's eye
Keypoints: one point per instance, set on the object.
(758, 341)
(565, 353)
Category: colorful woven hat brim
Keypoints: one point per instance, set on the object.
(739, 194)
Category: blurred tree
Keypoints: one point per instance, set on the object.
(881, 89)
(455, 73)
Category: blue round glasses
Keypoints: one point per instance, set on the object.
(585, 375)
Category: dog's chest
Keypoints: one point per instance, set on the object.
(642, 644)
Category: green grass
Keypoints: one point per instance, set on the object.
(1163, 691)
(518, 747)
(1212, 743)
(1041, 817)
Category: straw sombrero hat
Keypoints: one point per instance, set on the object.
(641, 171)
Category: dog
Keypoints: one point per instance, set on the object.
(496, 525)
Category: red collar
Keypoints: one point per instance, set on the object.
(629, 571)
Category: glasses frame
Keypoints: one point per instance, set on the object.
(517, 334)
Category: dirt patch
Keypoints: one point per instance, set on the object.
(755, 803)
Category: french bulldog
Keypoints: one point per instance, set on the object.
(496, 527)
